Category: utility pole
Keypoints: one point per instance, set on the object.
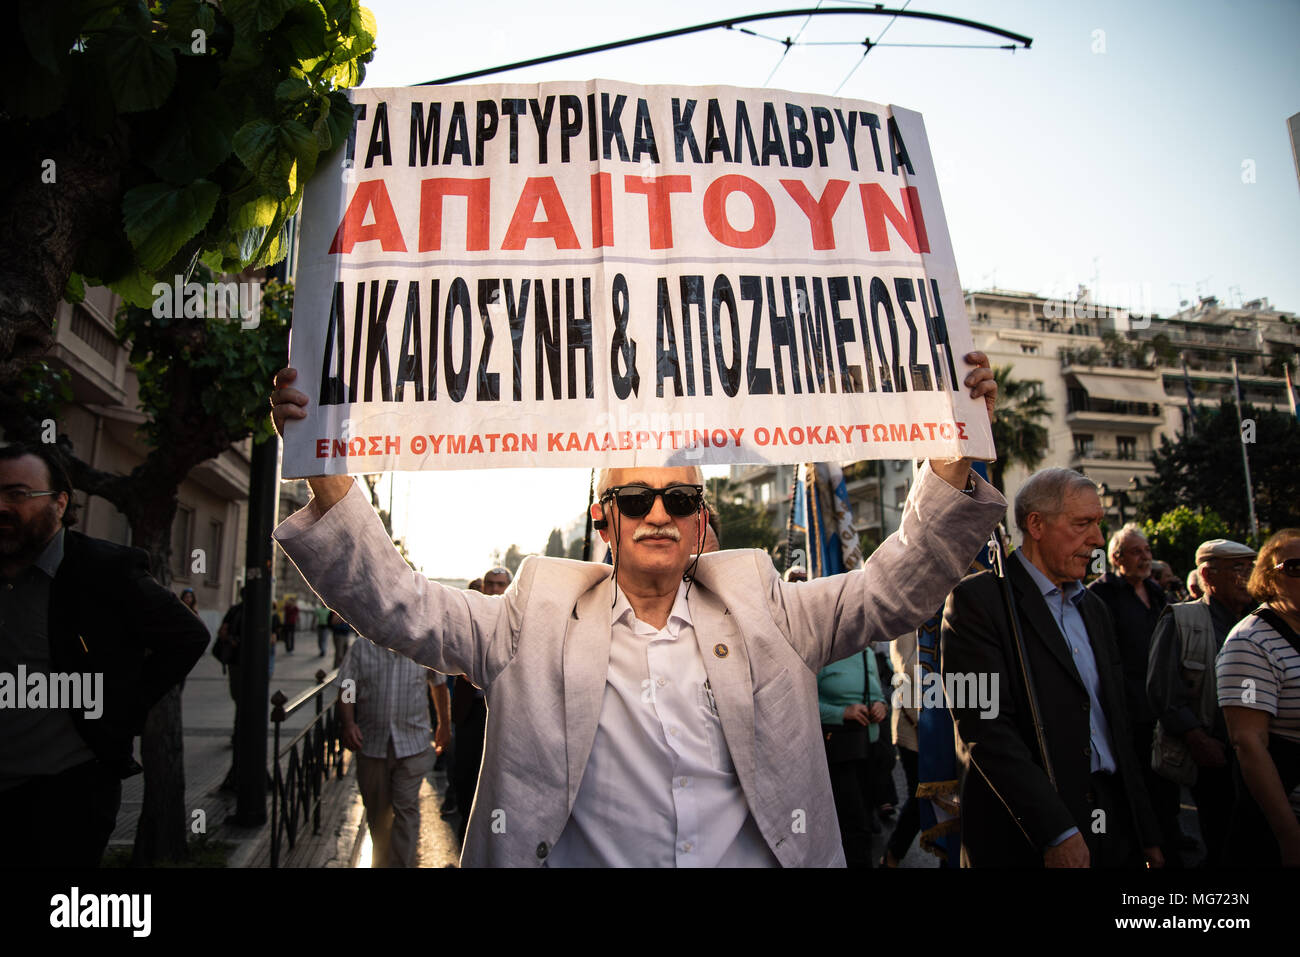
(252, 714)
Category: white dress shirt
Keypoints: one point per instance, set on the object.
(659, 789)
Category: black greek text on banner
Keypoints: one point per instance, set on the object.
(583, 274)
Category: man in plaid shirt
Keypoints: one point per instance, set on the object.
(385, 718)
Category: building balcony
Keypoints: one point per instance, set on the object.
(1112, 458)
(1103, 411)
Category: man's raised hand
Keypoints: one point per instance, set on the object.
(286, 402)
(289, 403)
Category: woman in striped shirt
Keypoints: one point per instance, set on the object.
(1258, 680)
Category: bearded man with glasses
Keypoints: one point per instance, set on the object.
(663, 711)
(76, 613)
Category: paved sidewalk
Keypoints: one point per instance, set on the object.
(208, 714)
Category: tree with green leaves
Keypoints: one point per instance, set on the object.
(1018, 433)
(1204, 470)
(555, 544)
(1175, 535)
(142, 137)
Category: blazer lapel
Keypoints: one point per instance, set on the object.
(1037, 620)
(586, 670)
(726, 662)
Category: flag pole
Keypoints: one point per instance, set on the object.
(813, 527)
(789, 523)
(1245, 459)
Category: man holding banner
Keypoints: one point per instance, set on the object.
(677, 727)
(551, 254)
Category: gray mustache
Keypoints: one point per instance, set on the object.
(650, 531)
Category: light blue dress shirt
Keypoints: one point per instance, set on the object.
(1064, 605)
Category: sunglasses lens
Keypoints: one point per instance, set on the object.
(634, 502)
(1291, 567)
(681, 502)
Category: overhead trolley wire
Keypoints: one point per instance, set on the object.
(731, 23)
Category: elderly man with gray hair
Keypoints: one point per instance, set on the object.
(1136, 601)
(1191, 744)
(1092, 809)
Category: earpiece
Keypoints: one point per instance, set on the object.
(600, 523)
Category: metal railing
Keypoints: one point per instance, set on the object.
(312, 755)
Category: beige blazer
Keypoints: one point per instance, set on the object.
(541, 654)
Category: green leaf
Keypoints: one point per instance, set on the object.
(292, 91)
(341, 119)
(305, 30)
(344, 75)
(258, 212)
(135, 288)
(363, 28)
(141, 70)
(280, 155)
(74, 291)
(160, 218)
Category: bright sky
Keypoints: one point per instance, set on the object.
(1137, 148)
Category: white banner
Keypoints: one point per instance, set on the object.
(583, 274)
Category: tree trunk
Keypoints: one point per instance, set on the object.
(161, 835)
(43, 226)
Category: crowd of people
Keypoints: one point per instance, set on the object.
(688, 705)
(657, 711)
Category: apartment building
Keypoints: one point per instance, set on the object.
(1115, 382)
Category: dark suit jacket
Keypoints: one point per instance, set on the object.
(1009, 811)
(108, 615)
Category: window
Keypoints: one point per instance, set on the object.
(900, 495)
(1083, 445)
(1077, 400)
(1028, 349)
(182, 536)
(1126, 446)
(765, 492)
(213, 576)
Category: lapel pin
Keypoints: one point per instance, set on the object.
(720, 650)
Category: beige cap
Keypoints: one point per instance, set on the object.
(1222, 548)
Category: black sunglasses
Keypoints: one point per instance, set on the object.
(634, 501)
(1290, 568)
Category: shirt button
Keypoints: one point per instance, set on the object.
(661, 682)
(682, 782)
(687, 847)
(543, 849)
(673, 732)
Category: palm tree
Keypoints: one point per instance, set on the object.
(1017, 433)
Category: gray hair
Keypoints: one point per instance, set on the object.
(1044, 492)
(1117, 540)
(604, 478)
